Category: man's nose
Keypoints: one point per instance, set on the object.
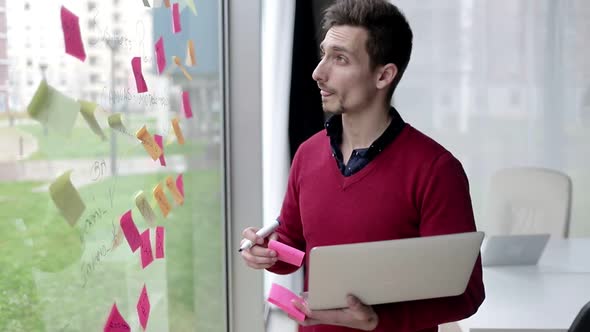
(319, 73)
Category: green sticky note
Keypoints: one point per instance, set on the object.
(145, 208)
(54, 109)
(87, 109)
(116, 122)
(191, 5)
(66, 198)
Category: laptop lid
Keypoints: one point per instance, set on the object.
(513, 249)
(392, 271)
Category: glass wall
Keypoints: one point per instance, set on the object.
(503, 84)
(65, 262)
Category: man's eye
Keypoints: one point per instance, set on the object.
(341, 58)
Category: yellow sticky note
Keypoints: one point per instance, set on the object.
(171, 184)
(177, 131)
(191, 59)
(145, 209)
(54, 109)
(149, 144)
(162, 200)
(191, 5)
(87, 109)
(118, 239)
(66, 198)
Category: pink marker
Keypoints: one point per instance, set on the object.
(147, 256)
(160, 143)
(139, 80)
(130, 231)
(282, 298)
(186, 105)
(175, 18)
(160, 242)
(143, 308)
(160, 55)
(286, 253)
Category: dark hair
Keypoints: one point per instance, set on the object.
(389, 34)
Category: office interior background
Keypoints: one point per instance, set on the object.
(501, 84)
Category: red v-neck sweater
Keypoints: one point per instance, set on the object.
(413, 188)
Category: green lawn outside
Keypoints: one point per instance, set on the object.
(43, 258)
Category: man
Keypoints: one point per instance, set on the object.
(369, 176)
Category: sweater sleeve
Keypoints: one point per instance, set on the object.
(445, 207)
(290, 230)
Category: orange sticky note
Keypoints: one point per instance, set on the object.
(171, 184)
(162, 200)
(167, 3)
(177, 131)
(191, 59)
(149, 143)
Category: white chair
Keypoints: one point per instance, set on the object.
(528, 201)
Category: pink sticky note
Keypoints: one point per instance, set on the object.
(286, 253)
(175, 18)
(139, 80)
(186, 104)
(72, 37)
(160, 242)
(143, 308)
(158, 140)
(147, 257)
(160, 55)
(180, 184)
(116, 322)
(282, 297)
(130, 231)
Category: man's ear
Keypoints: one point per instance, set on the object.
(387, 74)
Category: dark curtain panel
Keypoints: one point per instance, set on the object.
(305, 105)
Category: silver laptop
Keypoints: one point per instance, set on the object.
(392, 271)
(513, 249)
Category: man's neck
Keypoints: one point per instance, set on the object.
(361, 129)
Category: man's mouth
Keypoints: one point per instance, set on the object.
(325, 93)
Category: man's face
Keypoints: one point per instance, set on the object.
(343, 75)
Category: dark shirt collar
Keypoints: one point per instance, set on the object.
(334, 130)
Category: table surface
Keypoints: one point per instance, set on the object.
(546, 296)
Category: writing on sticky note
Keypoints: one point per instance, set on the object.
(171, 184)
(282, 297)
(72, 37)
(186, 105)
(162, 200)
(145, 209)
(56, 110)
(160, 231)
(160, 55)
(286, 253)
(191, 59)
(115, 322)
(87, 109)
(147, 255)
(149, 143)
(159, 141)
(177, 131)
(180, 184)
(137, 73)
(143, 308)
(175, 18)
(130, 231)
(66, 198)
